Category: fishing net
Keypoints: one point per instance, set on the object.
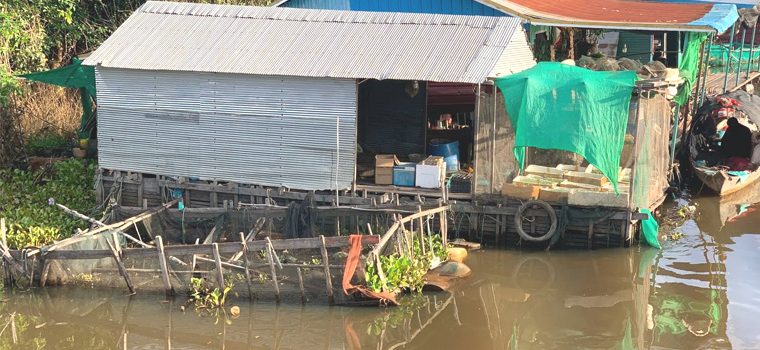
(297, 265)
(556, 106)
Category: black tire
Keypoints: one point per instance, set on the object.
(519, 218)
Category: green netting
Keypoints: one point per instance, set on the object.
(76, 76)
(689, 65)
(557, 106)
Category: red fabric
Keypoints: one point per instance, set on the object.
(355, 242)
(738, 163)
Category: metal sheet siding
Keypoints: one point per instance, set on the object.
(448, 7)
(517, 58)
(307, 43)
(274, 131)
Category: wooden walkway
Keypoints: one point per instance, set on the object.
(715, 81)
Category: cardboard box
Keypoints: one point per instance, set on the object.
(430, 173)
(555, 195)
(403, 174)
(384, 164)
(520, 192)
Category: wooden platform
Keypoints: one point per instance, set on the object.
(714, 82)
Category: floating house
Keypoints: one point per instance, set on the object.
(224, 105)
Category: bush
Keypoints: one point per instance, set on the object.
(24, 201)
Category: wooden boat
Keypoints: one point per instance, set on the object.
(719, 179)
(723, 183)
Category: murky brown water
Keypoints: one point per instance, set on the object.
(701, 291)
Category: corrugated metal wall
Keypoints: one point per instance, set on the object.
(274, 131)
(449, 7)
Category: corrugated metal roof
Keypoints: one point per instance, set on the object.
(622, 14)
(309, 43)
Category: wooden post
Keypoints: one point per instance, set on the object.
(300, 285)
(246, 264)
(164, 267)
(270, 259)
(326, 264)
(420, 231)
(140, 188)
(444, 228)
(213, 196)
(120, 265)
(218, 263)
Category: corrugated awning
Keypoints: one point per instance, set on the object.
(316, 43)
(622, 14)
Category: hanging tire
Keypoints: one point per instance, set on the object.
(519, 220)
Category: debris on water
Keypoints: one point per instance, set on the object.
(675, 236)
(235, 311)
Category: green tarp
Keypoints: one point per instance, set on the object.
(558, 106)
(689, 65)
(76, 76)
(650, 229)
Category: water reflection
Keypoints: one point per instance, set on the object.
(700, 292)
(59, 318)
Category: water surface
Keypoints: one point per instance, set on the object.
(701, 291)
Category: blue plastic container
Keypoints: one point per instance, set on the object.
(449, 150)
(403, 174)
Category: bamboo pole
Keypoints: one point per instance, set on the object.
(9, 260)
(300, 285)
(751, 50)
(246, 264)
(727, 64)
(164, 267)
(706, 70)
(326, 264)
(218, 264)
(78, 215)
(741, 53)
(120, 265)
(270, 259)
(420, 232)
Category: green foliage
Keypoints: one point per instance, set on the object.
(205, 296)
(404, 273)
(24, 201)
(46, 143)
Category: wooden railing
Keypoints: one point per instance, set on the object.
(421, 228)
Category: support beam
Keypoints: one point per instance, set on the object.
(727, 63)
(164, 267)
(218, 265)
(326, 264)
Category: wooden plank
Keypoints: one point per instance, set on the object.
(326, 264)
(218, 264)
(300, 285)
(264, 192)
(120, 265)
(246, 264)
(9, 260)
(214, 195)
(164, 266)
(140, 188)
(224, 248)
(272, 271)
